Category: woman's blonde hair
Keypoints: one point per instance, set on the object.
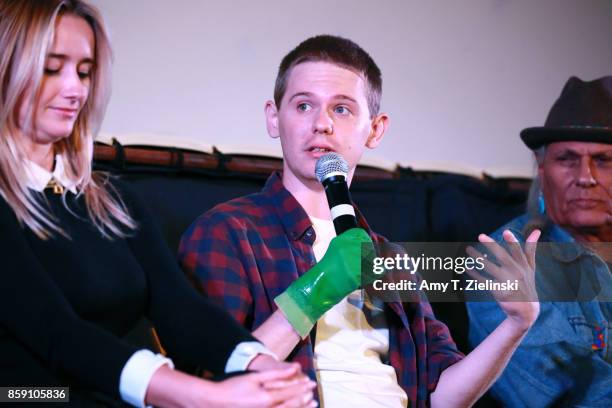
(26, 34)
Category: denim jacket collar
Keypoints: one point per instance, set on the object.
(564, 253)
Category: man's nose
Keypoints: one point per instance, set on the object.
(586, 176)
(323, 123)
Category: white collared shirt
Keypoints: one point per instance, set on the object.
(38, 177)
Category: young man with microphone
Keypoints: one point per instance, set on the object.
(272, 261)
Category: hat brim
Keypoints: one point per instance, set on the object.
(536, 137)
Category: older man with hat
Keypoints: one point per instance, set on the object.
(566, 359)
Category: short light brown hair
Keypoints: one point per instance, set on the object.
(336, 50)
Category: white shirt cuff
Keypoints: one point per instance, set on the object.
(244, 353)
(137, 373)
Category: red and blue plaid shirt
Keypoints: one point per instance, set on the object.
(245, 252)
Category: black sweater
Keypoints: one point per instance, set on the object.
(65, 303)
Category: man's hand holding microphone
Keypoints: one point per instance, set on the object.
(338, 273)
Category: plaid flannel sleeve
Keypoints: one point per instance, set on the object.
(211, 255)
(441, 349)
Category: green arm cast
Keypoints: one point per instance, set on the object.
(326, 283)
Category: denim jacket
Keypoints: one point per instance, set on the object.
(565, 359)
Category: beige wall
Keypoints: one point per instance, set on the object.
(461, 78)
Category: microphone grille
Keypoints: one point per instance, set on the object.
(330, 163)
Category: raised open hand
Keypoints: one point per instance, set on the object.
(512, 264)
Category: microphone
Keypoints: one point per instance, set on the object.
(332, 170)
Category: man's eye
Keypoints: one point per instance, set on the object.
(604, 161)
(84, 74)
(567, 159)
(303, 107)
(342, 110)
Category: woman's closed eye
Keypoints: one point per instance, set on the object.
(85, 74)
(52, 71)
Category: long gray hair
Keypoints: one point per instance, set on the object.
(537, 219)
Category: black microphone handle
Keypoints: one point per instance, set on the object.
(338, 196)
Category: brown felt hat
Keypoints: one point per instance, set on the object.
(583, 113)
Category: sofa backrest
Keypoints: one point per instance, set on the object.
(404, 207)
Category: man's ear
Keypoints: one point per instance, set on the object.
(272, 119)
(379, 126)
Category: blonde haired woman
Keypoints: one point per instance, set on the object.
(82, 261)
